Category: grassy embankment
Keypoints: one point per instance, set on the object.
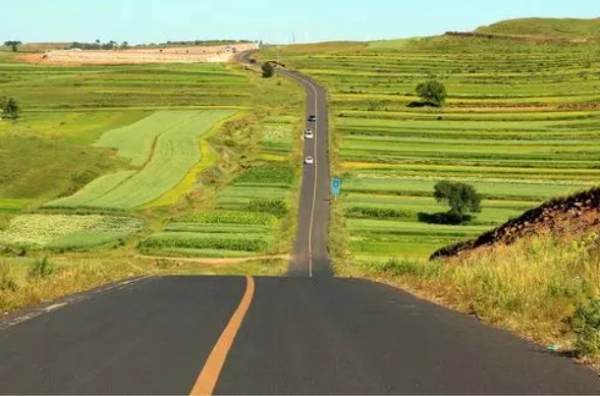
(97, 196)
(520, 124)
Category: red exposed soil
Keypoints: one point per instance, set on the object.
(194, 54)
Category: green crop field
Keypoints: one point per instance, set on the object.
(164, 145)
(170, 142)
(67, 232)
(520, 124)
(214, 234)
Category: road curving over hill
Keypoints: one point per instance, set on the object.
(310, 256)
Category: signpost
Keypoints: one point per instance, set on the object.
(336, 186)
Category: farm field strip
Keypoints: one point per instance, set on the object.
(521, 125)
(172, 137)
(68, 232)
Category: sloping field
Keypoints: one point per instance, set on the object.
(521, 124)
(164, 145)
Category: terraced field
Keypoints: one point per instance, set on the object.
(164, 145)
(521, 124)
(214, 234)
(254, 214)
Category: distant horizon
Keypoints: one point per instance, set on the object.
(158, 21)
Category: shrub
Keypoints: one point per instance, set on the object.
(268, 70)
(11, 108)
(433, 92)
(460, 196)
(586, 325)
(42, 268)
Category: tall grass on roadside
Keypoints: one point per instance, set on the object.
(542, 288)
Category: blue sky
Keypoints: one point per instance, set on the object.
(139, 21)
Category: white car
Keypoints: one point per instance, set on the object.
(309, 134)
(309, 160)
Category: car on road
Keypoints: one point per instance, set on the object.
(309, 134)
(312, 118)
(309, 160)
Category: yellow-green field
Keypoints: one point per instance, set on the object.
(521, 124)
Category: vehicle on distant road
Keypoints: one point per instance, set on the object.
(309, 160)
(309, 134)
(312, 118)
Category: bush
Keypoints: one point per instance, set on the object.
(11, 109)
(586, 325)
(433, 92)
(268, 70)
(275, 207)
(460, 196)
(41, 269)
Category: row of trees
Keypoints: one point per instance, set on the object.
(98, 45)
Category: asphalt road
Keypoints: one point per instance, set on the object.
(310, 257)
(294, 335)
(299, 336)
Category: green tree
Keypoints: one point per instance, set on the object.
(11, 108)
(13, 44)
(433, 92)
(461, 197)
(268, 70)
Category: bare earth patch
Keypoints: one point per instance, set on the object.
(211, 54)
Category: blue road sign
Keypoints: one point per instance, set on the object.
(336, 186)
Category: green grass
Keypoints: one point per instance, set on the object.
(569, 28)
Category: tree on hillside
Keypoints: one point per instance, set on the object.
(433, 92)
(11, 108)
(125, 45)
(13, 44)
(268, 70)
(462, 198)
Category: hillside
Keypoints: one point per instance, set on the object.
(569, 217)
(563, 29)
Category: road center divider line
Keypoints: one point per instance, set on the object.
(207, 380)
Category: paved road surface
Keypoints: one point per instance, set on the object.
(310, 256)
(295, 335)
(300, 336)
